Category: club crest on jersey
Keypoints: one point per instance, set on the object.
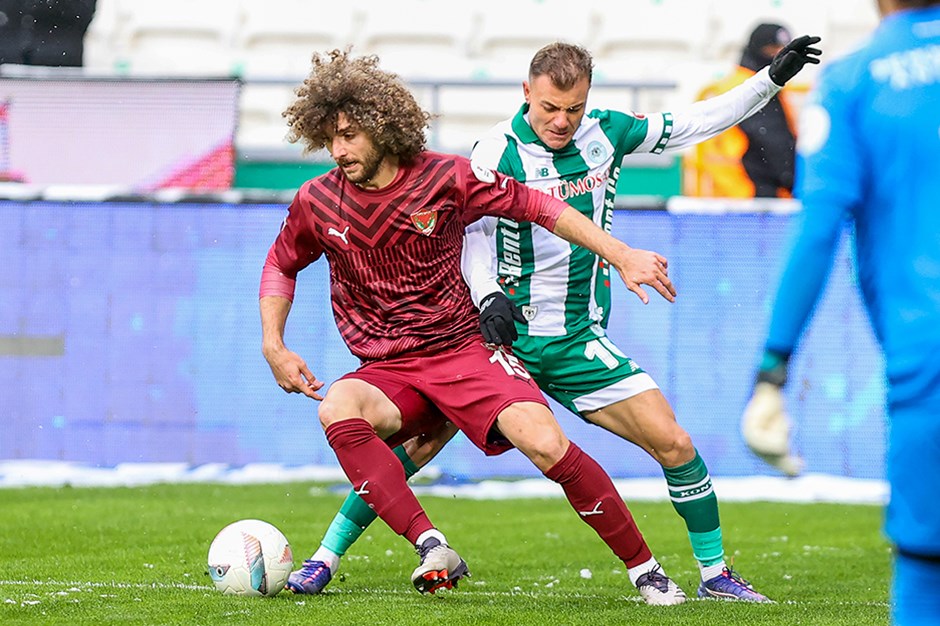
(424, 220)
(596, 152)
(529, 312)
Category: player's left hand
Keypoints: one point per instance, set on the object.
(765, 426)
(788, 62)
(644, 267)
(498, 317)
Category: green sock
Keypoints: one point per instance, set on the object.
(690, 489)
(355, 515)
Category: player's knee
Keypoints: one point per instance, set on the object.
(544, 448)
(550, 452)
(327, 415)
(676, 450)
(331, 411)
(533, 430)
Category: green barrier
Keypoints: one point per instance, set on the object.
(659, 178)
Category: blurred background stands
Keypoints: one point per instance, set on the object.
(465, 62)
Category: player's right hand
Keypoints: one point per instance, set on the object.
(498, 317)
(292, 374)
(765, 426)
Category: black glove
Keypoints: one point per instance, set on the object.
(773, 368)
(788, 62)
(497, 313)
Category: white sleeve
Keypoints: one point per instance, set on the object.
(478, 259)
(705, 119)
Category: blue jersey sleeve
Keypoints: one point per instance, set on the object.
(829, 183)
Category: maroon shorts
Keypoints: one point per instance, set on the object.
(468, 385)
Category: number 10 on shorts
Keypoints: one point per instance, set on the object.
(603, 349)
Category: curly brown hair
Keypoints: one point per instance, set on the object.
(375, 100)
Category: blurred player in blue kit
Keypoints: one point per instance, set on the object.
(869, 152)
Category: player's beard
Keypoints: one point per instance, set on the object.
(368, 166)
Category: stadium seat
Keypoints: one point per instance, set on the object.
(263, 135)
(849, 24)
(178, 37)
(432, 46)
(509, 33)
(102, 51)
(647, 39)
(639, 95)
(279, 37)
(467, 111)
(260, 123)
(735, 19)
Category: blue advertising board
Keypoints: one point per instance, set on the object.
(129, 332)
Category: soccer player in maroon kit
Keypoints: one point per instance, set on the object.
(390, 220)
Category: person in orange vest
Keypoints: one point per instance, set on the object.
(756, 157)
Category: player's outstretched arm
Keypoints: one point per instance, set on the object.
(290, 371)
(636, 267)
(708, 118)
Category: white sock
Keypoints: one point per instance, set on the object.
(639, 570)
(327, 556)
(710, 571)
(431, 533)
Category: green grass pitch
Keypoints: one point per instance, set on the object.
(138, 556)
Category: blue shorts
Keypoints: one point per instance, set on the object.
(912, 520)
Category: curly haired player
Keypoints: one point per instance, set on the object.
(391, 220)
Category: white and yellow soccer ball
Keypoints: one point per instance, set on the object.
(250, 557)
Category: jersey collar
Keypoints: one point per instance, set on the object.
(520, 126)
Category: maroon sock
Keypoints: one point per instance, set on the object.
(592, 494)
(377, 476)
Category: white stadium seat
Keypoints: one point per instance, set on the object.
(260, 123)
(647, 39)
(510, 33)
(181, 37)
(686, 42)
(418, 38)
(735, 19)
(849, 24)
(102, 38)
(279, 37)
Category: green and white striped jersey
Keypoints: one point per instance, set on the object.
(562, 288)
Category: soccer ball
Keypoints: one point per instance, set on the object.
(250, 558)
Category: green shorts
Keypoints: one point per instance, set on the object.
(583, 372)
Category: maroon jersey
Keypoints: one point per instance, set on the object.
(394, 253)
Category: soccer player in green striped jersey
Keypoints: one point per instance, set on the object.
(555, 144)
(560, 294)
